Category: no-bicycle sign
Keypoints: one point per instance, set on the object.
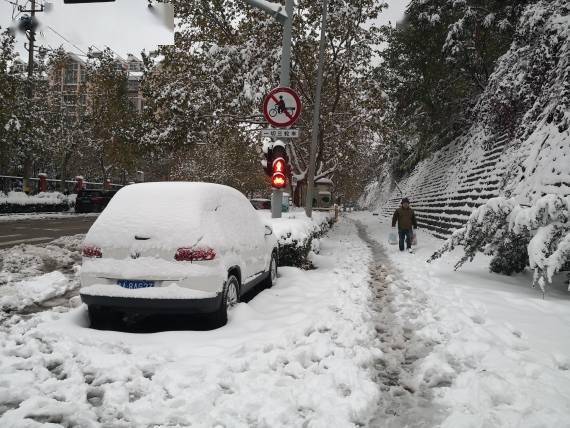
(282, 107)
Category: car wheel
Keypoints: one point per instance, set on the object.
(102, 318)
(272, 277)
(230, 298)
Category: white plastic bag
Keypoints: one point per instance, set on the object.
(393, 238)
(414, 238)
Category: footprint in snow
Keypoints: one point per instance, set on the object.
(95, 396)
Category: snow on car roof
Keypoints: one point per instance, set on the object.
(169, 213)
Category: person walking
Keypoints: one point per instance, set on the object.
(406, 219)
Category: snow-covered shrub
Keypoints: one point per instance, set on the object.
(511, 254)
(549, 249)
(20, 202)
(487, 232)
(517, 236)
(296, 234)
(295, 252)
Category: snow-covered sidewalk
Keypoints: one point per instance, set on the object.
(495, 353)
(298, 354)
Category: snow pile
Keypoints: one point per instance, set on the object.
(499, 354)
(32, 274)
(298, 354)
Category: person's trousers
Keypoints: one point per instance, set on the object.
(405, 234)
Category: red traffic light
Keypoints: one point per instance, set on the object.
(278, 178)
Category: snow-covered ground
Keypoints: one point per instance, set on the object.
(298, 354)
(372, 337)
(500, 354)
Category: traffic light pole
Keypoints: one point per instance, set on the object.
(285, 17)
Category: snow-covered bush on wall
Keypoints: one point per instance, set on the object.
(517, 236)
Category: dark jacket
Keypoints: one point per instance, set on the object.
(405, 217)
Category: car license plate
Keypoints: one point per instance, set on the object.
(135, 283)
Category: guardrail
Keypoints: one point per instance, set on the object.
(12, 182)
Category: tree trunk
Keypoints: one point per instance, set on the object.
(63, 171)
(27, 174)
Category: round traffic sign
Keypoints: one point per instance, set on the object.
(282, 107)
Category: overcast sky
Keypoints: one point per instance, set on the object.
(126, 26)
(394, 12)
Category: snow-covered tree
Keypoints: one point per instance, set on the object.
(437, 64)
(517, 236)
(226, 57)
(110, 116)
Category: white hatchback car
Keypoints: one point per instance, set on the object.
(175, 247)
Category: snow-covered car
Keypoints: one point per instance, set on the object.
(175, 247)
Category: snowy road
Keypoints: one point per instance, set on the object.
(41, 228)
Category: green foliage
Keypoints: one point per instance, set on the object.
(295, 253)
(511, 255)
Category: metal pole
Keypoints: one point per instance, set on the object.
(286, 52)
(316, 114)
(30, 93)
(276, 11)
(284, 80)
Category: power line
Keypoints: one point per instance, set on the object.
(71, 43)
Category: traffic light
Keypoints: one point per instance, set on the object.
(279, 164)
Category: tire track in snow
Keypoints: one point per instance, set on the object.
(404, 402)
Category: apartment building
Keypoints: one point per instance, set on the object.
(70, 80)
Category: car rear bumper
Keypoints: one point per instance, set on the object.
(143, 305)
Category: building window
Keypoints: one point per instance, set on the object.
(70, 75)
(134, 85)
(135, 66)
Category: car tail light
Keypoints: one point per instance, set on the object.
(194, 254)
(91, 251)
